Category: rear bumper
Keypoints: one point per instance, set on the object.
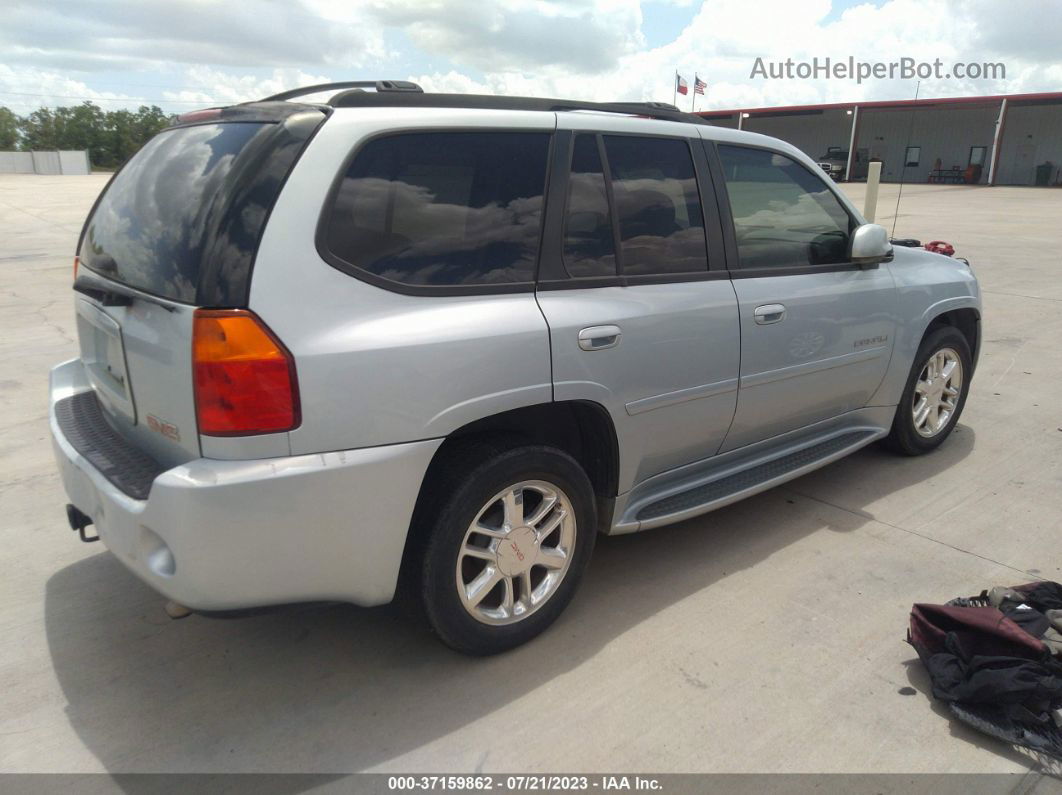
(216, 535)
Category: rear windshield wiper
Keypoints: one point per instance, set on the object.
(114, 294)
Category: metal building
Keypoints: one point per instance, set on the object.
(1011, 139)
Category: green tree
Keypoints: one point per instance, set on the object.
(9, 124)
(82, 127)
(38, 130)
(122, 137)
(111, 137)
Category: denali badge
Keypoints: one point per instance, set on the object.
(167, 429)
(870, 341)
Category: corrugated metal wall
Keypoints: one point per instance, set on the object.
(811, 133)
(46, 163)
(73, 161)
(945, 133)
(1032, 136)
(729, 122)
(16, 163)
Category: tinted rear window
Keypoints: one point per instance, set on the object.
(460, 208)
(589, 247)
(155, 226)
(659, 207)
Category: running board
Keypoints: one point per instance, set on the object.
(722, 487)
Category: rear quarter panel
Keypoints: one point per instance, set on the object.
(377, 367)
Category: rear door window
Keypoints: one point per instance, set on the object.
(153, 227)
(654, 186)
(784, 216)
(589, 245)
(442, 209)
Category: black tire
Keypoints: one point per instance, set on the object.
(904, 438)
(465, 481)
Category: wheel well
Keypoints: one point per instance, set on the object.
(583, 430)
(966, 321)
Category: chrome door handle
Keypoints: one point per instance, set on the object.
(769, 313)
(597, 338)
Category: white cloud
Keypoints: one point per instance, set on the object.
(725, 37)
(25, 89)
(588, 49)
(210, 85)
(585, 35)
(117, 34)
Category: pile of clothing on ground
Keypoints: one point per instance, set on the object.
(996, 659)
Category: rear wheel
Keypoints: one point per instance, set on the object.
(935, 393)
(509, 533)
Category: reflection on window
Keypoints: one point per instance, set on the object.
(589, 248)
(152, 227)
(659, 208)
(783, 214)
(443, 208)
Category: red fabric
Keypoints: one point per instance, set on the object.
(978, 630)
(940, 247)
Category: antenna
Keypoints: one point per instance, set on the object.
(903, 171)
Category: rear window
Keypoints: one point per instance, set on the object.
(446, 209)
(659, 207)
(589, 246)
(181, 203)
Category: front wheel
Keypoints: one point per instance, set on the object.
(935, 393)
(509, 533)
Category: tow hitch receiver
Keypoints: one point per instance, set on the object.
(79, 521)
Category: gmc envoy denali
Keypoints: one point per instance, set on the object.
(444, 340)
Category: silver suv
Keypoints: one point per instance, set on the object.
(445, 340)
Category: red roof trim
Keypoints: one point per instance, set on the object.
(893, 103)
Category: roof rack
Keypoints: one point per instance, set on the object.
(403, 93)
(383, 86)
(390, 99)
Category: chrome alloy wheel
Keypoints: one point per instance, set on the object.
(937, 392)
(516, 552)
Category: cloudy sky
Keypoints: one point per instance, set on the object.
(183, 54)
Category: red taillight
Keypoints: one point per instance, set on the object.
(77, 261)
(244, 376)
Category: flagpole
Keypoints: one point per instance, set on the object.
(674, 89)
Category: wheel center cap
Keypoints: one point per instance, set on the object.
(517, 551)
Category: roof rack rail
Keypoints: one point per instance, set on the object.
(383, 86)
(363, 99)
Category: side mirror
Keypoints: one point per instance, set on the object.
(870, 245)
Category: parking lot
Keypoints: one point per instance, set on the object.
(765, 637)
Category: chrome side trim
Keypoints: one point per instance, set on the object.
(681, 396)
(807, 368)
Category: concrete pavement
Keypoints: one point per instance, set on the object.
(765, 637)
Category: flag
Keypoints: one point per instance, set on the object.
(681, 85)
(698, 85)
